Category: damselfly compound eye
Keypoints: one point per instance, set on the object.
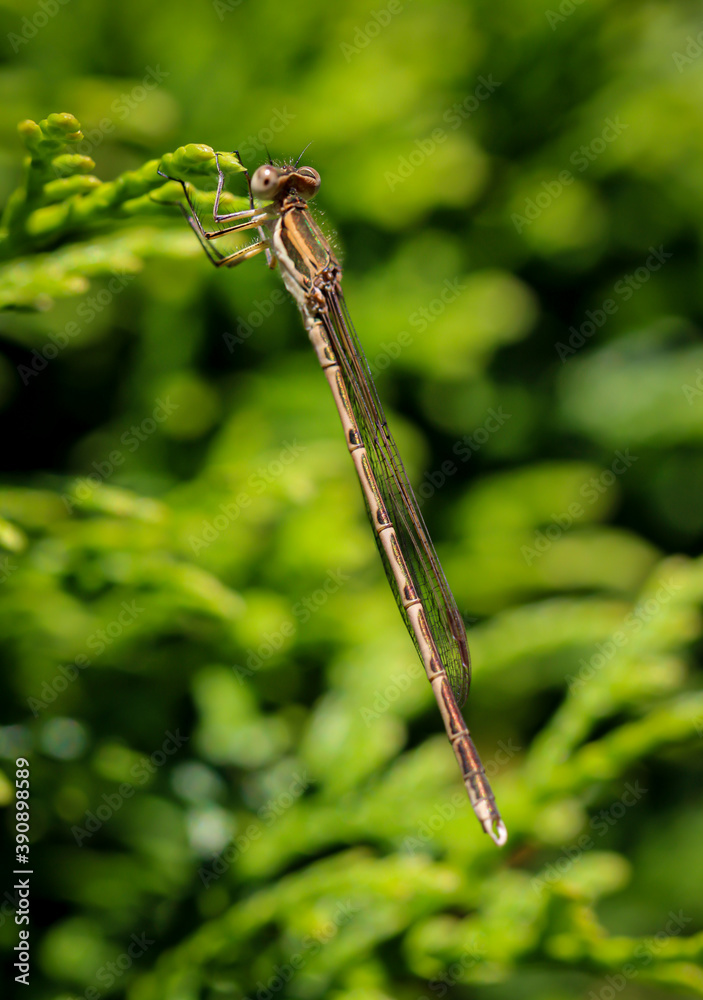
(307, 182)
(264, 183)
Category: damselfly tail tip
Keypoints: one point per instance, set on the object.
(497, 832)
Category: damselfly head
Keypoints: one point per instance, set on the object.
(270, 183)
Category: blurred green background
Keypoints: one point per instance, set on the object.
(239, 782)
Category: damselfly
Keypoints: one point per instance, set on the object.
(289, 236)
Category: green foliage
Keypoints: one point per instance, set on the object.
(59, 198)
(239, 784)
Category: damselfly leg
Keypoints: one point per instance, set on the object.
(250, 220)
